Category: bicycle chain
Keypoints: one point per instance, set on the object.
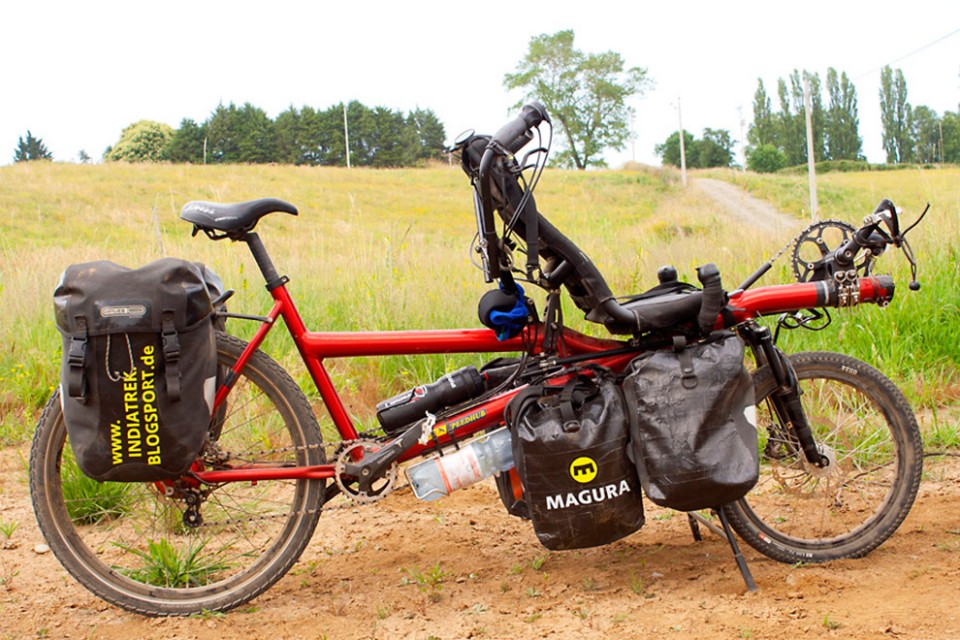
(347, 503)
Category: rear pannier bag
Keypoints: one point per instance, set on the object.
(693, 424)
(580, 489)
(139, 367)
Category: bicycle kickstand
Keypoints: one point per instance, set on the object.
(737, 555)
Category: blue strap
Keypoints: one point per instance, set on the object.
(510, 323)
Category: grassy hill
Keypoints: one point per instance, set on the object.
(389, 249)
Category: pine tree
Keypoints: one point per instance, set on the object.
(31, 149)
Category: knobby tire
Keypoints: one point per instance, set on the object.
(128, 543)
(798, 513)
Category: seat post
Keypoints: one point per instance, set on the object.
(260, 254)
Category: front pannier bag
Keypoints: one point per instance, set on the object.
(570, 447)
(139, 367)
(693, 424)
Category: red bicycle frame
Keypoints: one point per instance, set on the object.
(315, 347)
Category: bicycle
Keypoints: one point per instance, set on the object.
(840, 446)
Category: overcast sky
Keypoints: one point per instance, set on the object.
(76, 73)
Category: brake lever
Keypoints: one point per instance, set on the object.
(901, 242)
(903, 235)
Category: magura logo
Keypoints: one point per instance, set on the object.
(589, 496)
(583, 469)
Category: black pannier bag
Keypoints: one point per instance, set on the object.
(693, 424)
(580, 488)
(139, 367)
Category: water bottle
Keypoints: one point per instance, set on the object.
(481, 458)
(406, 408)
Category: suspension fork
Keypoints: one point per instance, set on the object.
(786, 397)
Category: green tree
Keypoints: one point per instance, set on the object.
(429, 132)
(325, 141)
(391, 142)
(669, 151)
(142, 141)
(896, 116)
(798, 131)
(256, 143)
(790, 125)
(187, 143)
(31, 149)
(926, 135)
(310, 137)
(764, 128)
(715, 149)
(843, 139)
(288, 131)
(222, 135)
(243, 135)
(766, 159)
(951, 137)
(585, 94)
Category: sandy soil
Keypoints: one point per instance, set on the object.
(358, 579)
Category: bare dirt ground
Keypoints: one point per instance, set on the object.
(359, 579)
(740, 205)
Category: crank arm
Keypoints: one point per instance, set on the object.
(374, 466)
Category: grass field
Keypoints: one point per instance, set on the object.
(388, 249)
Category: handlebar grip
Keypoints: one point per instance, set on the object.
(712, 302)
(889, 207)
(513, 135)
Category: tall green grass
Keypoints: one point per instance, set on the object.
(389, 249)
(916, 340)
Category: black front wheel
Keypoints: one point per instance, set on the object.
(864, 426)
(175, 548)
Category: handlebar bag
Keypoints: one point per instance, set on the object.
(139, 366)
(693, 424)
(580, 488)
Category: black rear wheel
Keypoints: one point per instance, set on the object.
(863, 424)
(178, 548)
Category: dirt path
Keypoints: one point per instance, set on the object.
(359, 579)
(744, 207)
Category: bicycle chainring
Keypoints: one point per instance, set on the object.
(350, 487)
(814, 243)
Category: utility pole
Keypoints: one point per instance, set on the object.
(683, 153)
(346, 134)
(743, 140)
(811, 163)
(940, 124)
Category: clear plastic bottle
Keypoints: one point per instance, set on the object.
(481, 458)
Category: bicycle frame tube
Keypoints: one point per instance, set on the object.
(315, 346)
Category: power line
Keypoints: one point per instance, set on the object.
(912, 53)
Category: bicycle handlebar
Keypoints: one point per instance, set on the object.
(516, 133)
(712, 302)
(870, 236)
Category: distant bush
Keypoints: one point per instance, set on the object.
(766, 159)
(142, 141)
